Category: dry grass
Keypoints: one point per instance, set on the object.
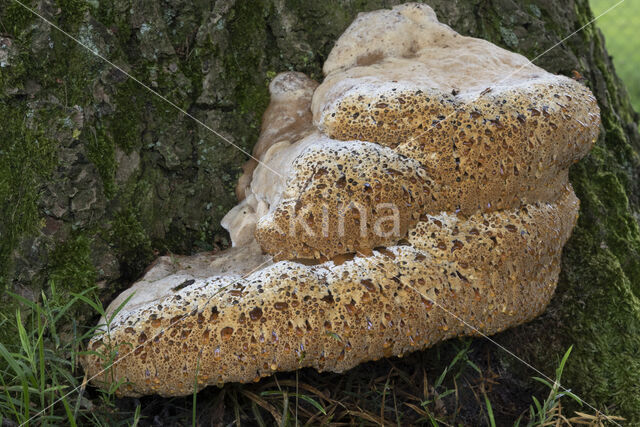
(446, 386)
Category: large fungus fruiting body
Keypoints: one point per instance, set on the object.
(419, 193)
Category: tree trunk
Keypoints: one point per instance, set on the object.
(98, 175)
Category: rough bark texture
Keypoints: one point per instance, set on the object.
(98, 176)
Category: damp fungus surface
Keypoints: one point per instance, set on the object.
(390, 201)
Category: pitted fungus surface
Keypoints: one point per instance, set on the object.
(423, 182)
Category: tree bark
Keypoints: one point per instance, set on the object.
(98, 175)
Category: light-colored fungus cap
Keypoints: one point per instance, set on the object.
(468, 142)
(492, 128)
(344, 197)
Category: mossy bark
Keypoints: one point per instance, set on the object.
(98, 175)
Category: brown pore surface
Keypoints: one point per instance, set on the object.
(336, 314)
(505, 148)
(345, 197)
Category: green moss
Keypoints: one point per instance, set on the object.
(101, 152)
(601, 277)
(126, 123)
(597, 304)
(247, 39)
(66, 68)
(602, 317)
(69, 71)
(114, 15)
(121, 129)
(15, 18)
(132, 241)
(27, 160)
(63, 67)
(70, 266)
(72, 13)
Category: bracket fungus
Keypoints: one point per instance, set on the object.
(424, 182)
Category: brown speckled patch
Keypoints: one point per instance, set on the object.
(496, 152)
(343, 197)
(493, 270)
